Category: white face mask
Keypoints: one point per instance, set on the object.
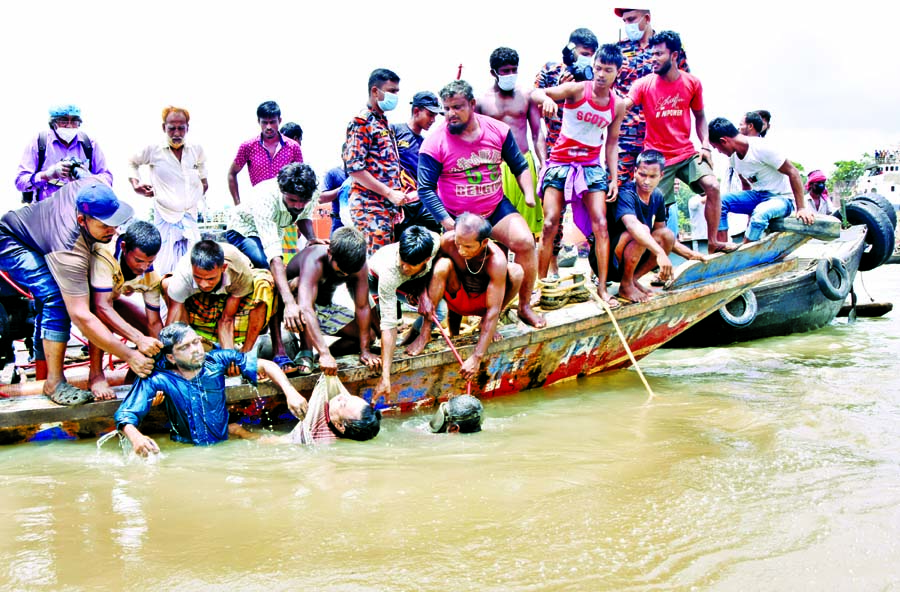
(633, 31)
(507, 82)
(66, 134)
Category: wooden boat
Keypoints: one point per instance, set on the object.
(579, 340)
(793, 302)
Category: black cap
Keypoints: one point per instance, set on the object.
(428, 100)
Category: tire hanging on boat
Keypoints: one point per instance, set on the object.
(883, 203)
(743, 316)
(833, 278)
(879, 233)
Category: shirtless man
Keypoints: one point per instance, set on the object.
(461, 160)
(315, 273)
(475, 279)
(510, 104)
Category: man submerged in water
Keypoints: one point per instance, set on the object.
(475, 279)
(193, 382)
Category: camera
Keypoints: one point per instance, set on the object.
(581, 69)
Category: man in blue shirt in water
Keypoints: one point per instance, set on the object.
(193, 382)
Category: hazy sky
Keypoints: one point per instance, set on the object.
(829, 76)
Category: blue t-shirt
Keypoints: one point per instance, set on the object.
(408, 144)
(629, 203)
(196, 408)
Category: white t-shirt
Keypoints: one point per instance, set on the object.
(760, 167)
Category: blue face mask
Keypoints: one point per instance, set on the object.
(633, 32)
(388, 102)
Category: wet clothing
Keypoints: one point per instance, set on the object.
(196, 408)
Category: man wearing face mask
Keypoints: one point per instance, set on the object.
(46, 164)
(372, 161)
(817, 195)
(636, 52)
(177, 184)
(510, 104)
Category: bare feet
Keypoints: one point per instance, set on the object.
(721, 247)
(102, 391)
(497, 337)
(608, 298)
(528, 316)
(418, 346)
(632, 293)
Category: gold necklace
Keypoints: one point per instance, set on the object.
(483, 259)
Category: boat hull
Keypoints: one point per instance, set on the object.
(787, 304)
(579, 340)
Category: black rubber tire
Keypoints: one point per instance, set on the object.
(883, 203)
(833, 278)
(744, 318)
(879, 236)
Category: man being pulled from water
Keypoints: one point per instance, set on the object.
(459, 415)
(475, 279)
(193, 382)
(639, 230)
(315, 273)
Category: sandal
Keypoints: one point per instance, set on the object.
(286, 364)
(66, 394)
(304, 362)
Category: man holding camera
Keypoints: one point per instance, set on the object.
(578, 56)
(46, 164)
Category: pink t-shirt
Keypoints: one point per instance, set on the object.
(583, 131)
(470, 179)
(667, 110)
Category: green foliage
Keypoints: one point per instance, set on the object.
(684, 216)
(845, 175)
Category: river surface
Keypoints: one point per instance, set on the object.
(772, 465)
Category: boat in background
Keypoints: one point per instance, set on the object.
(579, 340)
(804, 299)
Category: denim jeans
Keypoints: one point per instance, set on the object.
(672, 219)
(251, 247)
(28, 269)
(761, 206)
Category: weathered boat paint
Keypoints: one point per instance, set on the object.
(579, 340)
(789, 303)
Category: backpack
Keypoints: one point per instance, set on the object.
(83, 139)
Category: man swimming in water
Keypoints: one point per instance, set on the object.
(475, 279)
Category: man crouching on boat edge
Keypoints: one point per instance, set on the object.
(638, 235)
(194, 384)
(474, 278)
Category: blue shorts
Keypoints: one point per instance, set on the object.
(503, 209)
(594, 175)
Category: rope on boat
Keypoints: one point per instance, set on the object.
(624, 344)
(452, 347)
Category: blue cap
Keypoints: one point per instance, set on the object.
(98, 201)
(65, 111)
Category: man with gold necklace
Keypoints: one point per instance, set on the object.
(475, 279)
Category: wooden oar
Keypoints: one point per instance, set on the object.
(446, 335)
